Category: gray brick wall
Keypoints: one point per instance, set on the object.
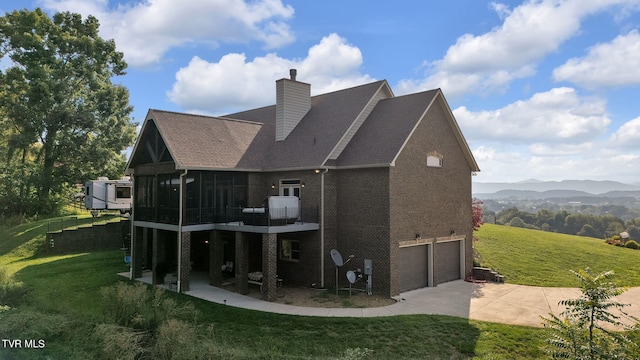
(363, 229)
(431, 201)
(307, 272)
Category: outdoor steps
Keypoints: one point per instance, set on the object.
(480, 273)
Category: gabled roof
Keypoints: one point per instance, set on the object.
(360, 126)
(385, 132)
(316, 135)
(200, 142)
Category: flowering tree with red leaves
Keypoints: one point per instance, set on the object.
(476, 210)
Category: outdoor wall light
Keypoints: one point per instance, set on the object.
(453, 232)
(317, 171)
(302, 185)
(273, 186)
(418, 237)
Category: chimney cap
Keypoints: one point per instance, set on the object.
(293, 73)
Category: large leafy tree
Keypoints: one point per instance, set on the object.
(64, 113)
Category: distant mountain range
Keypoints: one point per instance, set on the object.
(582, 196)
(536, 189)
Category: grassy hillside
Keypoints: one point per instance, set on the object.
(22, 242)
(64, 308)
(533, 257)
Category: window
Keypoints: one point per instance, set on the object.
(290, 188)
(123, 192)
(290, 250)
(434, 159)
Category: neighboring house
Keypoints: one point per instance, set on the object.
(379, 177)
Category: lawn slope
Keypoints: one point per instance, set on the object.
(539, 258)
(64, 307)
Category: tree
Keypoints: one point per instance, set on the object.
(582, 333)
(59, 99)
(477, 216)
(588, 230)
(517, 222)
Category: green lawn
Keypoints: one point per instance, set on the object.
(64, 307)
(534, 257)
(66, 290)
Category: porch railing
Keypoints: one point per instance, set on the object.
(271, 217)
(276, 216)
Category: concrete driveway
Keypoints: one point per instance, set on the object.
(501, 303)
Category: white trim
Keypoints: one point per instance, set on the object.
(235, 226)
(430, 266)
(154, 225)
(459, 136)
(430, 259)
(450, 238)
(463, 254)
(358, 121)
(406, 140)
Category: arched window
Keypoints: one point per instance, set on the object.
(434, 159)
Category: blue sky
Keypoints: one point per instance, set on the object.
(545, 89)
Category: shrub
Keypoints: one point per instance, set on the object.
(121, 342)
(145, 323)
(175, 340)
(12, 292)
(582, 331)
(31, 324)
(138, 307)
(631, 244)
(123, 303)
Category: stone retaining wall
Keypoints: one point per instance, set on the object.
(98, 237)
(487, 274)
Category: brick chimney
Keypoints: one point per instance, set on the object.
(293, 101)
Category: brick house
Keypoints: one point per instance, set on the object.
(380, 177)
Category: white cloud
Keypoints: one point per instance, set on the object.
(539, 149)
(554, 135)
(558, 115)
(146, 30)
(616, 63)
(512, 164)
(512, 50)
(234, 83)
(628, 135)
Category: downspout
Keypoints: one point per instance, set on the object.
(180, 220)
(132, 227)
(322, 227)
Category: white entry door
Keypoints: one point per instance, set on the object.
(290, 188)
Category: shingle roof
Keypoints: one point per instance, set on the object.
(204, 142)
(311, 141)
(246, 140)
(382, 135)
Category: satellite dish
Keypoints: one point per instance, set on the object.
(351, 276)
(336, 257)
